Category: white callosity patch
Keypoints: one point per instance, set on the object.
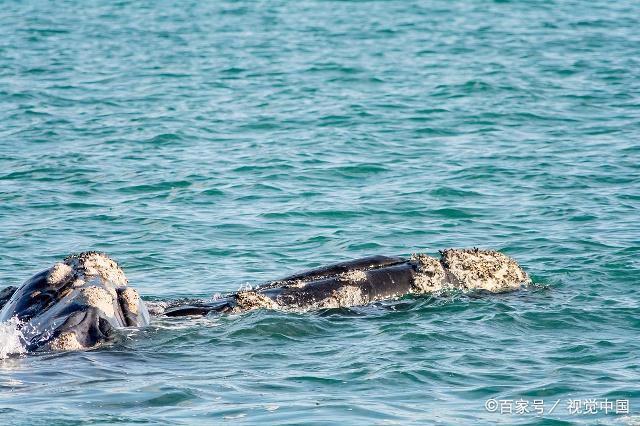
(348, 295)
(99, 298)
(430, 275)
(248, 300)
(488, 270)
(354, 276)
(67, 341)
(59, 274)
(343, 297)
(296, 284)
(92, 264)
(130, 297)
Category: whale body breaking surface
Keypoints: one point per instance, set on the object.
(79, 302)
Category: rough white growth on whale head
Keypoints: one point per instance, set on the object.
(100, 298)
(430, 275)
(67, 341)
(131, 298)
(489, 270)
(59, 274)
(94, 264)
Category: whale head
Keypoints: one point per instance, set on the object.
(75, 304)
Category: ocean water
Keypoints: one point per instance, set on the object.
(212, 145)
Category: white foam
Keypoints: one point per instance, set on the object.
(11, 339)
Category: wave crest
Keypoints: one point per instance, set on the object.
(11, 339)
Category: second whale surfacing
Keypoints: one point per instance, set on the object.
(77, 304)
(370, 279)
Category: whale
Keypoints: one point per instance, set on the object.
(79, 303)
(75, 304)
(371, 279)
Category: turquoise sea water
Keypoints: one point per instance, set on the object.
(210, 145)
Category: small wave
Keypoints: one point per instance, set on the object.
(11, 339)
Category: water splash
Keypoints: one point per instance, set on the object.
(11, 338)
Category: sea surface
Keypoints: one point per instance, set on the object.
(208, 146)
